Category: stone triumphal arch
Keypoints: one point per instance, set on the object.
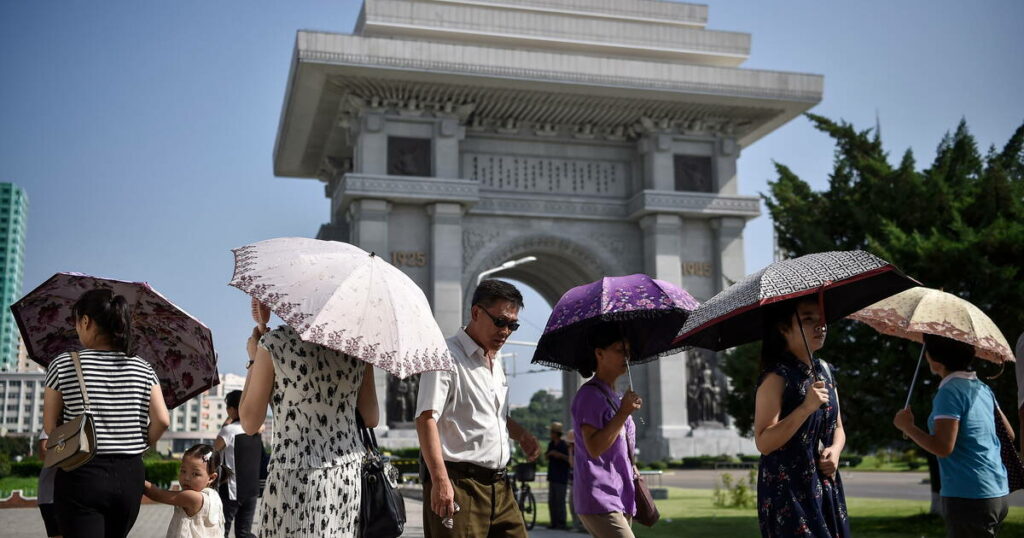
(600, 136)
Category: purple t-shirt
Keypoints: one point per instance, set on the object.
(604, 484)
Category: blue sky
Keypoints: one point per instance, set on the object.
(143, 131)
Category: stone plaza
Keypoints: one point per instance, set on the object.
(600, 136)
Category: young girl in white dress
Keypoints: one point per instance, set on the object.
(198, 512)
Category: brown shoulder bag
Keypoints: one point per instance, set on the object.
(72, 444)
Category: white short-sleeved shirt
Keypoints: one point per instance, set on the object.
(470, 406)
(208, 522)
(228, 433)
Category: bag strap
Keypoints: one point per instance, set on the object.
(615, 408)
(81, 380)
(366, 434)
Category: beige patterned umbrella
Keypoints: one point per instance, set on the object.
(912, 313)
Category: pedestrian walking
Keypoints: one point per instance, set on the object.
(44, 493)
(962, 434)
(237, 509)
(570, 439)
(313, 486)
(198, 512)
(101, 498)
(603, 489)
(558, 475)
(463, 424)
(798, 428)
(1019, 354)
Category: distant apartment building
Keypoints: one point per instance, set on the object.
(13, 222)
(21, 403)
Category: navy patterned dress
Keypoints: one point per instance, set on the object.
(793, 498)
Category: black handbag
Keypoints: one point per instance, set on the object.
(381, 507)
(1008, 452)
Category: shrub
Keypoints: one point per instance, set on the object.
(404, 453)
(5, 465)
(26, 468)
(738, 494)
(657, 465)
(853, 460)
(162, 473)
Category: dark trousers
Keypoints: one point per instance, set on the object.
(100, 498)
(241, 512)
(974, 518)
(556, 502)
(486, 509)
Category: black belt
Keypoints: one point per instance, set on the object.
(475, 472)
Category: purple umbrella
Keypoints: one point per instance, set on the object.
(650, 313)
(179, 346)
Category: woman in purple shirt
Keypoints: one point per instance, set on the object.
(603, 492)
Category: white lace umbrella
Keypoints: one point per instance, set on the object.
(340, 296)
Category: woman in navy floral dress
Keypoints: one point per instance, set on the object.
(798, 430)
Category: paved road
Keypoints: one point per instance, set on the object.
(878, 485)
(153, 520)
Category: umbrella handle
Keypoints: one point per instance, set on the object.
(913, 381)
(629, 373)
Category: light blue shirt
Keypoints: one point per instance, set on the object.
(974, 470)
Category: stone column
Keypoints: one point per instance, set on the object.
(446, 265)
(725, 166)
(728, 241)
(370, 154)
(659, 164)
(368, 222)
(445, 147)
(662, 383)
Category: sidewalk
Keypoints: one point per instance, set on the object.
(153, 520)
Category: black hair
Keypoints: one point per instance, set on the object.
(111, 313)
(953, 354)
(233, 399)
(773, 344)
(213, 462)
(600, 336)
(491, 290)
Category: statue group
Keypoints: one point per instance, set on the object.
(704, 394)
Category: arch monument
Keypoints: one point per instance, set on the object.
(600, 136)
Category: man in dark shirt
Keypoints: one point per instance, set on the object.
(558, 475)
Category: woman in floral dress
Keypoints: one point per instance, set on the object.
(313, 487)
(798, 430)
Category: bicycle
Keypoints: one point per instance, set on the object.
(525, 473)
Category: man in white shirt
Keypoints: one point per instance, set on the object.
(240, 511)
(462, 419)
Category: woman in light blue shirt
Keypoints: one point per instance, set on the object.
(962, 433)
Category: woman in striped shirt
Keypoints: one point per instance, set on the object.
(101, 498)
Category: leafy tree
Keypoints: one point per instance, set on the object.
(543, 409)
(957, 225)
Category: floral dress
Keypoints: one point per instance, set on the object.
(793, 498)
(313, 485)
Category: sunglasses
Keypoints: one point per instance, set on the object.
(501, 323)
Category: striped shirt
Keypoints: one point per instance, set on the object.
(119, 388)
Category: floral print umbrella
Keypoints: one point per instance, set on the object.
(179, 346)
(918, 311)
(339, 296)
(844, 282)
(650, 313)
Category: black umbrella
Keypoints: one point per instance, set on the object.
(844, 282)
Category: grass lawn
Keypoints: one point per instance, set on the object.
(690, 512)
(27, 485)
(873, 463)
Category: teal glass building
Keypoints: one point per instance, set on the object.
(13, 222)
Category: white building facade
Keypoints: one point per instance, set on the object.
(600, 136)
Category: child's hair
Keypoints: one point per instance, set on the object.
(213, 462)
(233, 399)
(112, 313)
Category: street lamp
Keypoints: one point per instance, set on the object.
(502, 267)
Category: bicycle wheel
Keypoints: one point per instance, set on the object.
(528, 504)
